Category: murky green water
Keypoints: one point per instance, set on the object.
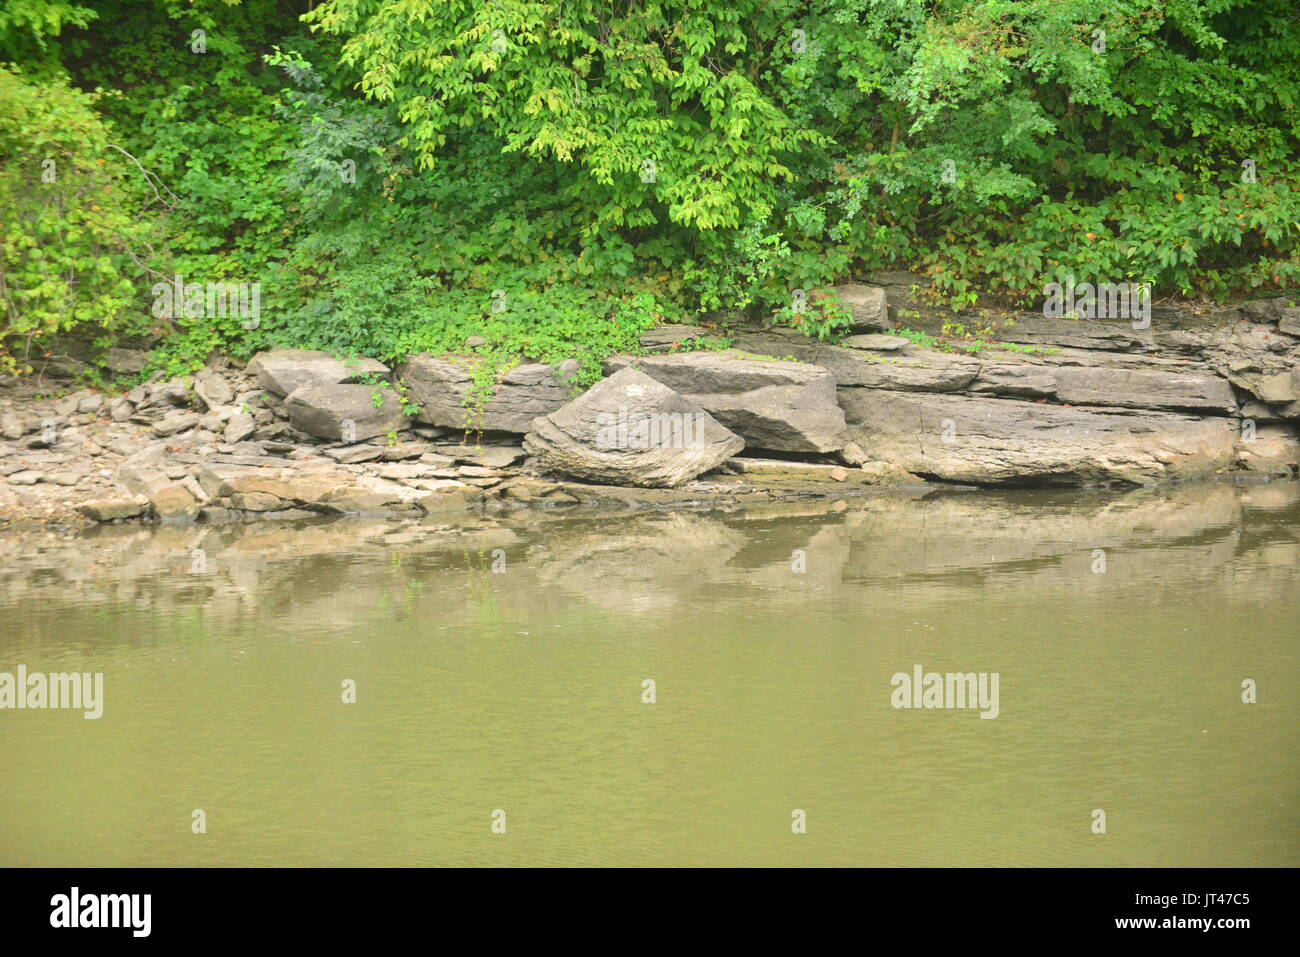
(521, 689)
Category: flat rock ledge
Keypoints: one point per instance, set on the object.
(298, 434)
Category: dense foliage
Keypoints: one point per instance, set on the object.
(551, 176)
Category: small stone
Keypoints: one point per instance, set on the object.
(876, 342)
(212, 388)
(886, 473)
(490, 456)
(400, 471)
(195, 489)
(853, 454)
(256, 502)
(12, 426)
(174, 422)
(449, 500)
(124, 446)
(839, 474)
(404, 450)
(352, 454)
(174, 501)
(26, 477)
(106, 510)
(239, 427)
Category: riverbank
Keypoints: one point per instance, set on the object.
(766, 416)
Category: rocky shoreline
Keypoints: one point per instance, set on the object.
(776, 417)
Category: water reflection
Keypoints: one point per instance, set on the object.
(521, 688)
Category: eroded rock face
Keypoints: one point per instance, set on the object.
(1074, 376)
(283, 370)
(1262, 362)
(782, 406)
(1005, 441)
(1131, 388)
(345, 413)
(442, 389)
(631, 430)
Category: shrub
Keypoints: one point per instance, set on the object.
(74, 232)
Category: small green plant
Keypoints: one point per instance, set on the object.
(701, 344)
(1019, 347)
(410, 408)
(916, 338)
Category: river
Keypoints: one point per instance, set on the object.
(500, 664)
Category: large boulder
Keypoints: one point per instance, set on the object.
(1007, 441)
(283, 370)
(444, 391)
(631, 430)
(771, 404)
(345, 413)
